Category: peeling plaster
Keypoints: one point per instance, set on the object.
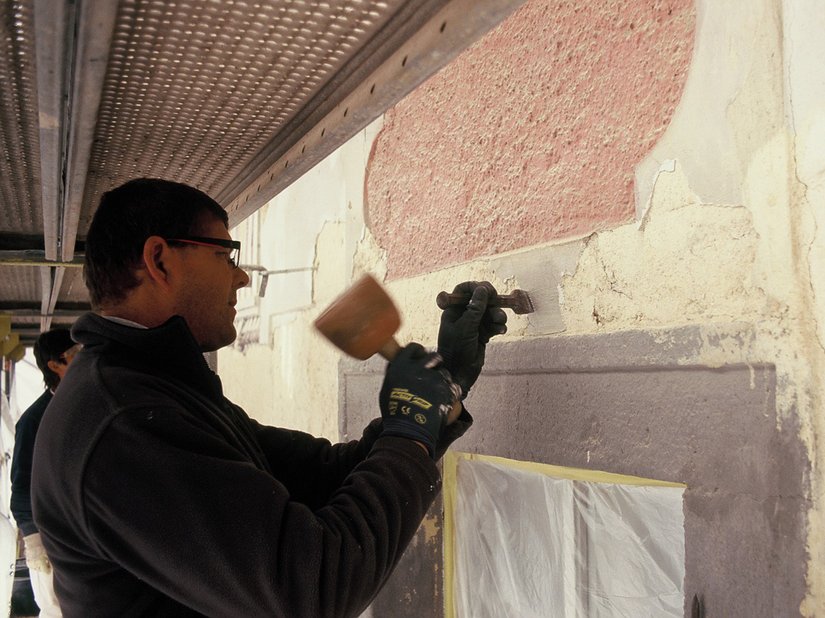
(690, 263)
(732, 83)
(369, 258)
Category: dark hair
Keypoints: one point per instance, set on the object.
(126, 217)
(48, 347)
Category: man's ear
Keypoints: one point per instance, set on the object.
(156, 259)
(59, 368)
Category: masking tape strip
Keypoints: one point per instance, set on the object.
(571, 474)
(449, 490)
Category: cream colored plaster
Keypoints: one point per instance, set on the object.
(690, 263)
(736, 61)
(290, 377)
(804, 49)
(734, 233)
(369, 258)
(811, 173)
(805, 45)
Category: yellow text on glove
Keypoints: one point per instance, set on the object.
(403, 394)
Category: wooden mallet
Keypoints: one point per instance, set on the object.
(362, 321)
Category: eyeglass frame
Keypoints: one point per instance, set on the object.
(206, 241)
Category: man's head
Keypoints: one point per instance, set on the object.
(53, 351)
(155, 249)
(126, 217)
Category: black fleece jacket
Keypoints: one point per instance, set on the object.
(156, 496)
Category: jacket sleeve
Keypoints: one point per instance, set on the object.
(312, 468)
(183, 511)
(21, 473)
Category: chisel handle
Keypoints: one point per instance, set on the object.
(518, 301)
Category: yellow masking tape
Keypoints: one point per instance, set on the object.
(572, 474)
(448, 483)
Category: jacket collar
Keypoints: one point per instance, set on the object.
(167, 350)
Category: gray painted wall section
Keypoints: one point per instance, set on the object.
(640, 403)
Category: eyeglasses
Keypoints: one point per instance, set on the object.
(70, 353)
(234, 246)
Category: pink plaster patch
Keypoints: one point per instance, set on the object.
(531, 135)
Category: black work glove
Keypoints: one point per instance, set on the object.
(466, 330)
(416, 396)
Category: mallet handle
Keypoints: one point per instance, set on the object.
(390, 349)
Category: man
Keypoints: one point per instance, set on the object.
(53, 352)
(156, 496)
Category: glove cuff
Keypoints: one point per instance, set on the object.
(404, 429)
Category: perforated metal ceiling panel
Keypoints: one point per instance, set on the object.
(235, 97)
(20, 209)
(195, 89)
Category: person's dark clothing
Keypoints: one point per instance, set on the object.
(156, 496)
(21, 464)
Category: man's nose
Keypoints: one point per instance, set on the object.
(241, 278)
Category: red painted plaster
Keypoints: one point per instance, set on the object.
(529, 136)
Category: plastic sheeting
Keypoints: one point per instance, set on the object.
(531, 545)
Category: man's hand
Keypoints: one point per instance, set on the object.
(465, 332)
(36, 558)
(416, 396)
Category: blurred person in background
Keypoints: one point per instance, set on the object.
(53, 352)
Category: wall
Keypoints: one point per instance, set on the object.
(530, 136)
(287, 374)
(654, 176)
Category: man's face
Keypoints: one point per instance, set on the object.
(207, 294)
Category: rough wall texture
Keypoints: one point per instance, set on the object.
(532, 135)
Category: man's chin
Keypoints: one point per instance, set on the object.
(216, 344)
